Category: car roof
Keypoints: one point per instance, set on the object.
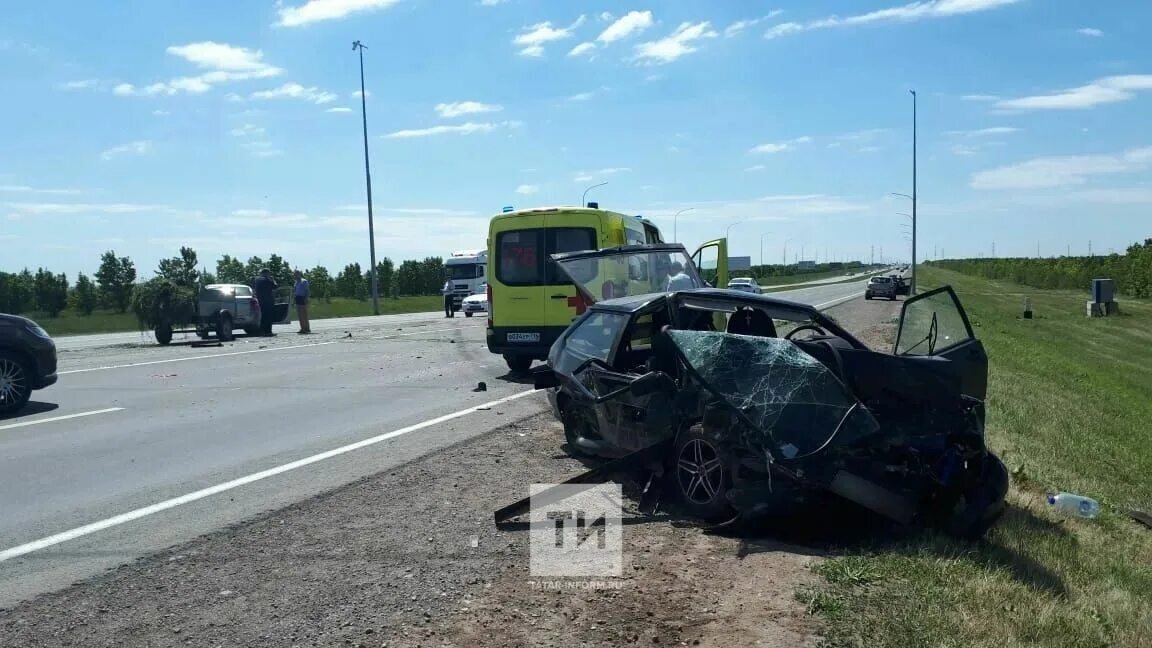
(740, 280)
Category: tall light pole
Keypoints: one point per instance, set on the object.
(584, 196)
(912, 284)
(786, 252)
(728, 230)
(762, 248)
(359, 47)
(675, 237)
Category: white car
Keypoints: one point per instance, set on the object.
(744, 284)
(477, 303)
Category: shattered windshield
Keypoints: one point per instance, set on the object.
(624, 273)
(794, 404)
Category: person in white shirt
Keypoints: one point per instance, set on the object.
(678, 279)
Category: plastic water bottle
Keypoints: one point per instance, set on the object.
(1074, 505)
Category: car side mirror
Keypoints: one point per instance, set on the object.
(544, 378)
(651, 383)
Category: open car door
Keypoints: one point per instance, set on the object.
(711, 261)
(935, 324)
(629, 270)
(282, 309)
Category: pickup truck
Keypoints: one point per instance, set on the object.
(223, 308)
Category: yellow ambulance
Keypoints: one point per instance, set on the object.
(530, 301)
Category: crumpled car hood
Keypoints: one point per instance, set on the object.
(792, 406)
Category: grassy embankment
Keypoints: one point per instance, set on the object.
(71, 323)
(1070, 406)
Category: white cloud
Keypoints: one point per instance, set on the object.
(587, 176)
(980, 97)
(247, 130)
(356, 94)
(80, 85)
(911, 12)
(139, 147)
(340, 109)
(1061, 171)
(296, 91)
(234, 98)
(582, 49)
(491, 3)
(268, 152)
(739, 26)
(984, 132)
(467, 128)
(319, 10)
(678, 44)
(1090, 31)
(964, 150)
(1107, 90)
(630, 23)
(533, 37)
(80, 208)
(36, 190)
(581, 96)
(458, 108)
(755, 167)
(161, 113)
(527, 189)
(780, 147)
(224, 63)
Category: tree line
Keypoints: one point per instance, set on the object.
(114, 283)
(1132, 271)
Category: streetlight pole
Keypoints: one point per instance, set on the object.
(786, 252)
(584, 196)
(358, 46)
(762, 248)
(912, 284)
(675, 237)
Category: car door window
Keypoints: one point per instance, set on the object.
(932, 323)
(595, 337)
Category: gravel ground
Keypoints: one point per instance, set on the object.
(410, 557)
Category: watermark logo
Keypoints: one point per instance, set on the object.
(575, 530)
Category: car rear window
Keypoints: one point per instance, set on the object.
(523, 255)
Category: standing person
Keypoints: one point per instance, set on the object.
(447, 290)
(678, 279)
(300, 292)
(266, 296)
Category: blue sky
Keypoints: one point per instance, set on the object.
(234, 127)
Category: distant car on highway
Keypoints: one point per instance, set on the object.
(27, 361)
(880, 287)
(745, 284)
(477, 303)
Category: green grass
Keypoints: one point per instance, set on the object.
(1070, 400)
(71, 323)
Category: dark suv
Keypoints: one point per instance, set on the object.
(27, 361)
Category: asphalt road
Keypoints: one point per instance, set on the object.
(139, 447)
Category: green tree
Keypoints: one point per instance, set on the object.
(229, 269)
(385, 274)
(116, 277)
(281, 270)
(252, 269)
(320, 283)
(17, 292)
(84, 298)
(181, 270)
(51, 292)
(350, 282)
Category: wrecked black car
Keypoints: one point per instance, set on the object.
(746, 405)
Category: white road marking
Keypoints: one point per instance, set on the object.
(836, 302)
(214, 355)
(130, 516)
(59, 418)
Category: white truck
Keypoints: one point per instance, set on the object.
(467, 272)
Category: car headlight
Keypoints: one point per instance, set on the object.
(35, 329)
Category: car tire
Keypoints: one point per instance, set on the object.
(701, 475)
(163, 334)
(224, 328)
(983, 504)
(468, 314)
(15, 382)
(867, 295)
(518, 364)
